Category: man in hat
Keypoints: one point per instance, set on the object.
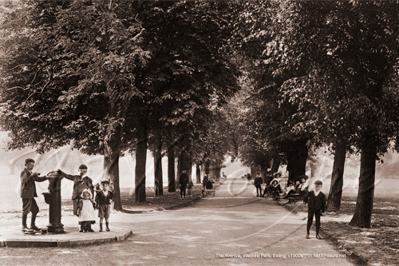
(28, 194)
(80, 183)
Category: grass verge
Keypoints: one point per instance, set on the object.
(378, 245)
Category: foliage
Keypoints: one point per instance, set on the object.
(77, 73)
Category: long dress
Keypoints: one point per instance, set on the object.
(87, 214)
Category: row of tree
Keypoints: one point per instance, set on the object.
(120, 76)
(110, 77)
(323, 73)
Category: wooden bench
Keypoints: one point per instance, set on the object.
(210, 191)
(293, 198)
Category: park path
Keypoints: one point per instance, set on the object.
(232, 228)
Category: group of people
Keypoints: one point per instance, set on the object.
(274, 189)
(315, 199)
(184, 183)
(84, 201)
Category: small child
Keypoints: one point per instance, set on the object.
(316, 205)
(87, 215)
(103, 200)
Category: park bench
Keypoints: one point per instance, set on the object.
(293, 198)
(209, 189)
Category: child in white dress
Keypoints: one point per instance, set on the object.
(87, 215)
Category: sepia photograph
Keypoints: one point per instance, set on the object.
(199, 132)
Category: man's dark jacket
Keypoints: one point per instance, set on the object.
(28, 187)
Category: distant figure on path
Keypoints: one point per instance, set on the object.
(183, 181)
(316, 205)
(258, 184)
(80, 183)
(28, 194)
(204, 182)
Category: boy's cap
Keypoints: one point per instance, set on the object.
(82, 166)
(104, 181)
(318, 183)
(29, 160)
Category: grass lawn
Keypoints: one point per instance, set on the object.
(378, 245)
(168, 200)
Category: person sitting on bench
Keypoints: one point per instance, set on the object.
(303, 187)
(268, 186)
(275, 188)
(290, 190)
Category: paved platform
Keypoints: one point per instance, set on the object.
(233, 228)
(11, 235)
(121, 225)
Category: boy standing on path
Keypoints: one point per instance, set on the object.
(183, 181)
(80, 183)
(258, 184)
(28, 194)
(103, 202)
(316, 205)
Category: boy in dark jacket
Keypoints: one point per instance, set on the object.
(28, 194)
(103, 201)
(258, 185)
(183, 181)
(316, 201)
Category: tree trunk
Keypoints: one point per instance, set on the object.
(207, 166)
(158, 181)
(297, 160)
(198, 173)
(112, 143)
(171, 169)
(188, 165)
(253, 172)
(337, 176)
(184, 163)
(365, 196)
(180, 167)
(141, 159)
(263, 172)
(216, 169)
(276, 163)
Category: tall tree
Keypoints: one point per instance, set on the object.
(70, 69)
(190, 68)
(347, 55)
